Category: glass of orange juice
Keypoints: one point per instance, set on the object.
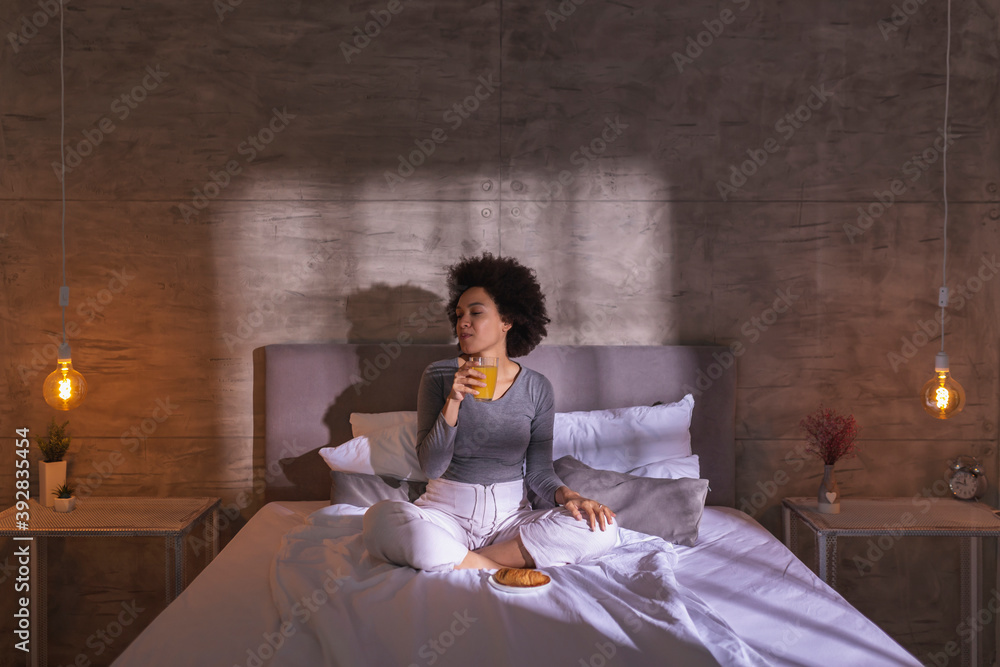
(488, 366)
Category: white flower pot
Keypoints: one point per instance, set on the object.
(50, 476)
(64, 504)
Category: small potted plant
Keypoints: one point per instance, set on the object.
(64, 500)
(52, 470)
(831, 437)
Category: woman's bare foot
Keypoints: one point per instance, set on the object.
(509, 553)
(476, 561)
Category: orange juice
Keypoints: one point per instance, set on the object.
(488, 367)
(486, 393)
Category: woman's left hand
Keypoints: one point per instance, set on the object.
(596, 513)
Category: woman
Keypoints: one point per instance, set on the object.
(475, 512)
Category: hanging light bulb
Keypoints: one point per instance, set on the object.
(64, 388)
(942, 396)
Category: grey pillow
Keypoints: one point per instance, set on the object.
(667, 508)
(361, 490)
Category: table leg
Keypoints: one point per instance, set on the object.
(39, 602)
(831, 563)
(786, 522)
(178, 565)
(168, 586)
(826, 555)
(215, 534)
(971, 603)
(821, 556)
(791, 527)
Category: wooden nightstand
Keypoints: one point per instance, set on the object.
(896, 518)
(171, 518)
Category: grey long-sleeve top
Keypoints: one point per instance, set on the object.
(492, 440)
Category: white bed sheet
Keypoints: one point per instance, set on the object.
(747, 578)
(624, 608)
(224, 615)
(775, 602)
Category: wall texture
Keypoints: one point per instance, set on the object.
(728, 171)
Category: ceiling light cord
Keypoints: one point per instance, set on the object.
(944, 169)
(64, 293)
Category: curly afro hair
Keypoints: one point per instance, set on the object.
(514, 289)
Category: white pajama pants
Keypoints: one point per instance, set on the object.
(438, 530)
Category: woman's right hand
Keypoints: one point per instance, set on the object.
(468, 380)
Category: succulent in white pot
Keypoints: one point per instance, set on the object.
(64, 500)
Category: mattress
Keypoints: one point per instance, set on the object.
(739, 586)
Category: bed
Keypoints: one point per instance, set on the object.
(296, 587)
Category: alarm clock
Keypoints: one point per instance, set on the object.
(967, 479)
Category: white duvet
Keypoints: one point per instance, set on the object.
(227, 616)
(340, 607)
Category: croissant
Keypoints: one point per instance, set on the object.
(520, 577)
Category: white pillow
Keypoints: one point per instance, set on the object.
(390, 451)
(625, 438)
(684, 467)
(366, 423)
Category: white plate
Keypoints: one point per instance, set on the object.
(517, 590)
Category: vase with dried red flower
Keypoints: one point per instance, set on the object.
(831, 437)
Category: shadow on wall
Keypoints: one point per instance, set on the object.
(391, 319)
(405, 313)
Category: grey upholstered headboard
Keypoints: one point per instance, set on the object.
(311, 390)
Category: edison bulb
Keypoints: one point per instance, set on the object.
(64, 388)
(942, 396)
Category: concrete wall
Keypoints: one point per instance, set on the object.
(249, 173)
